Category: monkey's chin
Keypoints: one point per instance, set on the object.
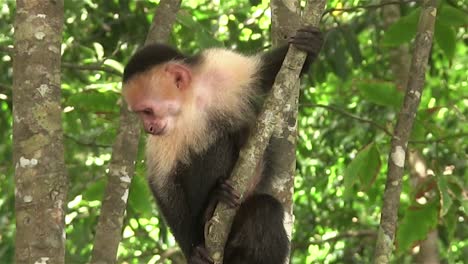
(158, 133)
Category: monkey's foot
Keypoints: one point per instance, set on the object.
(200, 256)
(223, 192)
(227, 194)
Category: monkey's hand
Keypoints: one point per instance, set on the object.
(308, 39)
(200, 256)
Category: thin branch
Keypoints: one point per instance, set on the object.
(441, 139)
(402, 132)
(92, 67)
(353, 116)
(367, 7)
(88, 144)
(99, 66)
(338, 237)
(341, 236)
(348, 234)
(168, 254)
(385, 130)
(4, 88)
(9, 50)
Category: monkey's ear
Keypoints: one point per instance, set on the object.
(181, 74)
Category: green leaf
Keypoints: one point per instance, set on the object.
(99, 49)
(95, 191)
(419, 132)
(465, 206)
(362, 170)
(352, 45)
(336, 55)
(94, 101)
(446, 38)
(450, 222)
(452, 16)
(204, 38)
(445, 199)
(140, 198)
(402, 31)
(417, 222)
(114, 64)
(381, 93)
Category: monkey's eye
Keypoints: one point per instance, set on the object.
(147, 111)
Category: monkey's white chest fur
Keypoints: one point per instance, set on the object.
(223, 85)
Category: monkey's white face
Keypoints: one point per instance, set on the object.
(157, 97)
(158, 117)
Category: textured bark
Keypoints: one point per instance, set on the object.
(283, 89)
(428, 248)
(285, 19)
(38, 153)
(396, 158)
(399, 64)
(124, 154)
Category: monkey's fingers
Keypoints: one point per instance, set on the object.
(311, 34)
(310, 29)
(310, 49)
(306, 44)
(307, 37)
(228, 194)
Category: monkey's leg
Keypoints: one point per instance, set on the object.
(257, 235)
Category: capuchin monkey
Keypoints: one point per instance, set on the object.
(198, 112)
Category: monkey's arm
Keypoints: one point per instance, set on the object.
(172, 201)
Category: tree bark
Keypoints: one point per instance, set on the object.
(399, 65)
(38, 152)
(285, 20)
(124, 154)
(428, 248)
(396, 158)
(220, 224)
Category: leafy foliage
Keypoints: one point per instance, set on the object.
(340, 178)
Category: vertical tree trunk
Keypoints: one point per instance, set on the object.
(285, 20)
(428, 248)
(396, 158)
(38, 153)
(124, 154)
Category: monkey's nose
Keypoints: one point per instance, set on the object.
(155, 129)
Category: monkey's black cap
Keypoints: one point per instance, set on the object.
(148, 57)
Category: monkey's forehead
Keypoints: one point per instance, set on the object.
(145, 79)
(148, 57)
(143, 76)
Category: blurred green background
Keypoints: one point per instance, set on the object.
(348, 102)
